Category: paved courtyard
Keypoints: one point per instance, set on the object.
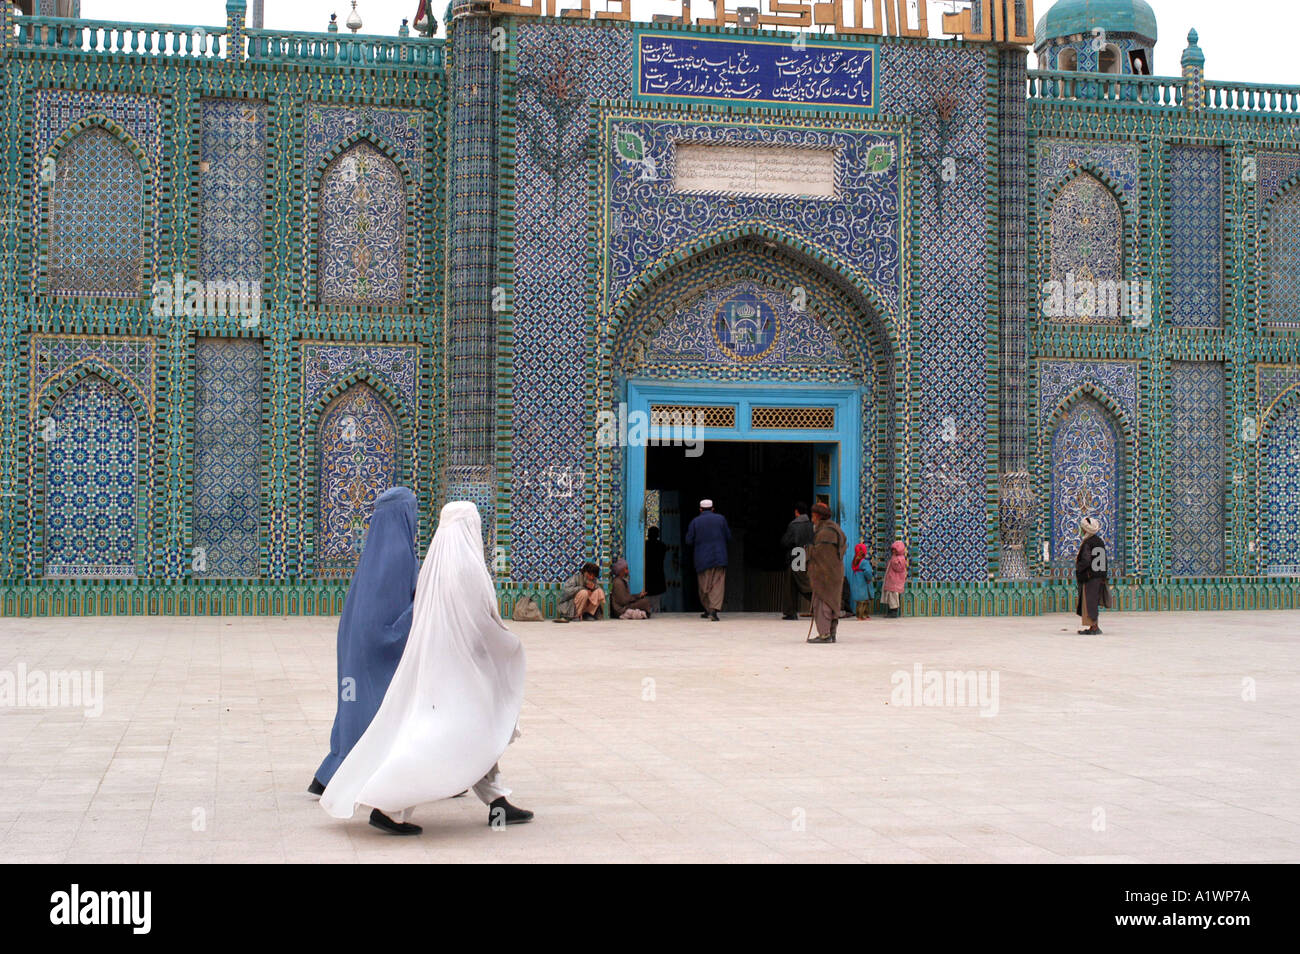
(1172, 738)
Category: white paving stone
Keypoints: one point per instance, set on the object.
(675, 739)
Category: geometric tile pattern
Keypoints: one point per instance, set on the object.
(95, 218)
(946, 519)
(132, 365)
(397, 366)
(1058, 158)
(1283, 266)
(90, 483)
(362, 237)
(1271, 382)
(550, 366)
(1196, 236)
(1196, 463)
(1281, 480)
(228, 456)
(133, 359)
(1272, 171)
(1087, 241)
(326, 125)
(56, 109)
(357, 460)
(1118, 380)
(1087, 454)
(232, 185)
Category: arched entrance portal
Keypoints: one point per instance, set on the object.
(753, 377)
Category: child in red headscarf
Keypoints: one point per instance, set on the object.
(862, 581)
(895, 579)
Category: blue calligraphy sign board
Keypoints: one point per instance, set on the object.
(672, 67)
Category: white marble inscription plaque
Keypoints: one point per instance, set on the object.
(755, 170)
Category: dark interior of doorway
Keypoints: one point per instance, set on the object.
(755, 485)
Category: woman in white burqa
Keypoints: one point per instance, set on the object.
(453, 705)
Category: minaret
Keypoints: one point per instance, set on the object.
(1193, 63)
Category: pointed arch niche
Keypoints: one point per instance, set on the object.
(1282, 271)
(91, 436)
(1280, 476)
(1086, 228)
(358, 457)
(362, 228)
(94, 214)
(1087, 453)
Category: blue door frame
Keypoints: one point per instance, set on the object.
(743, 396)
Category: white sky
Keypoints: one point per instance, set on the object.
(1243, 40)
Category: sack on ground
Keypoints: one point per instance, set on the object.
(527, 610)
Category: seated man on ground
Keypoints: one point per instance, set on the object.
(582, 596)
(622, 599)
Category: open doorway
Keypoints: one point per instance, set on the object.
(755, 485)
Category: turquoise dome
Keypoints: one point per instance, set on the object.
(1071, 17)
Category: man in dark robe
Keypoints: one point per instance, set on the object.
(795, 541)
(708, 535)
(1090, 570)
(826, 572)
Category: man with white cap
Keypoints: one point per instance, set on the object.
(708, 535)
(1090, 570)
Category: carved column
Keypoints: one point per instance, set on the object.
(469, 465)
(1016, 506)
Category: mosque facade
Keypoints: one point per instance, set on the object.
(584, 271)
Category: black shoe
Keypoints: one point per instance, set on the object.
(384, 823)
(788, 616)
(822, 639)
(501, 812)
(315, 788)
(704, 615)
(714, 617)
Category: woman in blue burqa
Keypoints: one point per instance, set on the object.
(375, 623)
